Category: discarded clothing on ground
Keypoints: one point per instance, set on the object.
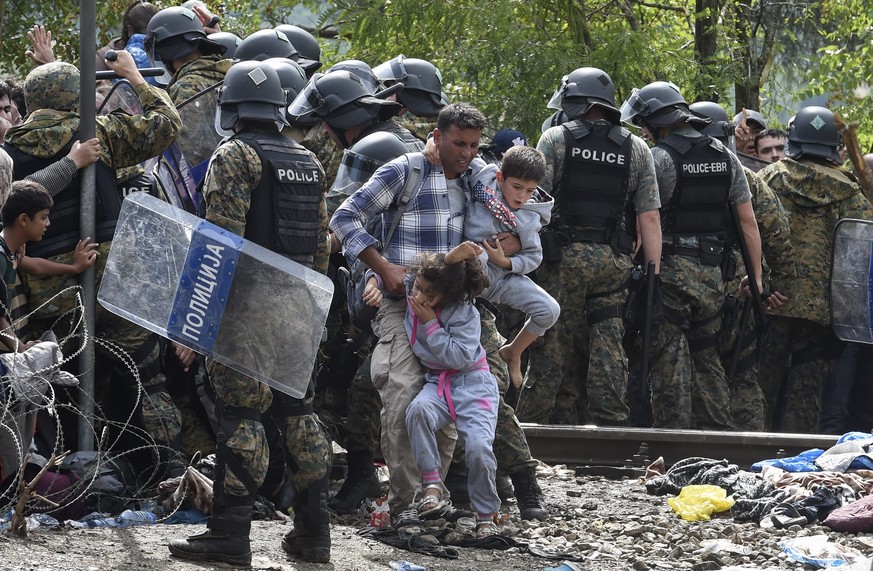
(444, 542)
(851, 452)
(699, 471)
(856, 517)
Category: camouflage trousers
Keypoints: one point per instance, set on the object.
(307, 448)
(813, 352)
(362, 422)
(748, 407)
(510, 444)
(243, 436)
(689, 388)
(575, 354)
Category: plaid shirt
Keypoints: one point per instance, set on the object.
(427, 224)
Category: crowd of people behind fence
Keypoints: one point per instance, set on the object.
(651, 262)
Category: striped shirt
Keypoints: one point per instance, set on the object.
(430, 223)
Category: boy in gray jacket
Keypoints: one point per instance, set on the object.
(507, 199)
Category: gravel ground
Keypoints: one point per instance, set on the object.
(614, 525)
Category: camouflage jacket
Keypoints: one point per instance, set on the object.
(775, 232)
(197, 75)
(125, 140)
(815, 196)
(234, 173)
(421, 127)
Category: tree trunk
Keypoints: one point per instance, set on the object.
(706, 48)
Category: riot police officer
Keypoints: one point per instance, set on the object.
(603, 181)
(698, 178)
(816, 193)
(251, 172)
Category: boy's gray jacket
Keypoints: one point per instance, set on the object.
(480, 224)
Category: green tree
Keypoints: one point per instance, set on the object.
(843, 71)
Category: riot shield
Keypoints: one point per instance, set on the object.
(216, 293)
(120, 96)
(175, 181)
(198, 138)
(752, 163)
(852, 281)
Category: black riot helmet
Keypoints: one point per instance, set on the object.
(228, 40)
(174, 33)
(342, 100)
(265, 44)
(291, 76)
(361, 160)
(658, 104)
(252, 90)
(359, 68)
(720, 127)
(582, 89)
(422, 84)
(813, 132)
(308, 48)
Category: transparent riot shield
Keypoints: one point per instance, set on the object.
(120, 96)
(198, 138)
(175, 181)
(852, 281)
(216, 293)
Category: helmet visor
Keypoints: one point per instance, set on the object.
(391, 70)
(225, 120)
(354, 171)
(633, 107)
(558, 95)
(308, 101)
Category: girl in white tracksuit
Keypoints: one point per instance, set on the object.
(443, 328)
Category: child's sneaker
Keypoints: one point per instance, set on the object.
(407, 518)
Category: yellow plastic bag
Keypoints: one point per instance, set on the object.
(699, 502)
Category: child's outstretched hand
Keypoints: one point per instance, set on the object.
(372, 293)
(422, 311)
(432, 153)
(464, 251)
(496, 255)
(85, 254)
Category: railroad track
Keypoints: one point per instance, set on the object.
(621, 447)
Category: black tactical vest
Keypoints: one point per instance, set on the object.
(413, 143)
(594, 192)
(699, 204)
(283, 215)
(63, 233)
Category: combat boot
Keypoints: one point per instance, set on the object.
(226, 538)
(529, 495)
(504, 488)
(310, 538)
(361, 483)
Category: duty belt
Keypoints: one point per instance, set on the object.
(598, 236)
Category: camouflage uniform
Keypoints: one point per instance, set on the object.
(748, 405)
(688, 384)
(816, 196)
(510, 444)
(589, 278)
(421, 127)
(125, 140)
(234, 171)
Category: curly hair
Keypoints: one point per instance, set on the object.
(457, 282)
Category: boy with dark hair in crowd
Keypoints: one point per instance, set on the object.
(25, 216)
